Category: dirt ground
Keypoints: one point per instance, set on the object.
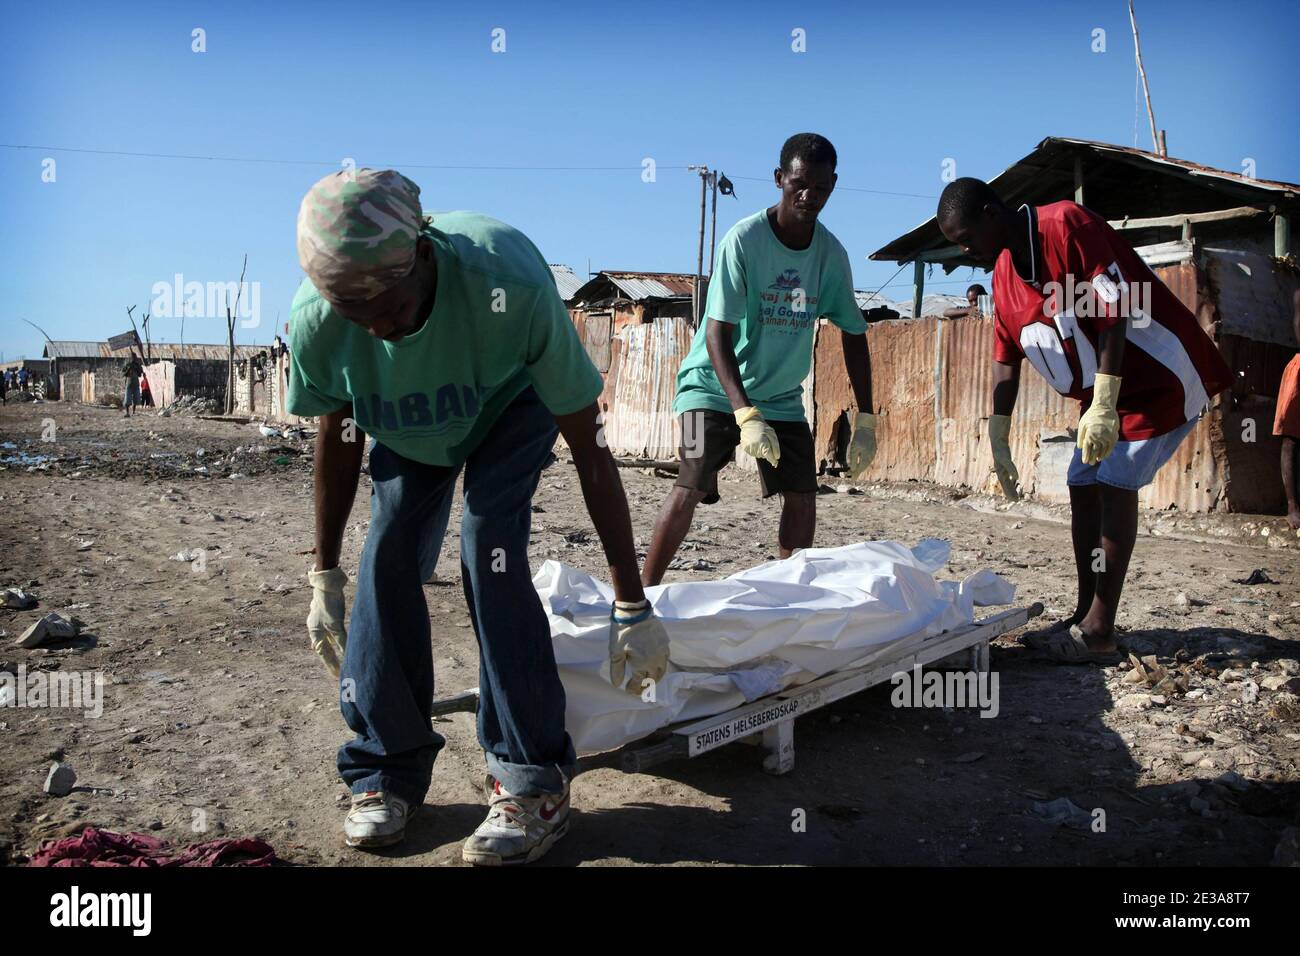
(219, 721)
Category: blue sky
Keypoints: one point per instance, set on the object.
(897, 87)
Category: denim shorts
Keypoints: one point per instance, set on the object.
(1133, 464)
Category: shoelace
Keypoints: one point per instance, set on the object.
(370, 803)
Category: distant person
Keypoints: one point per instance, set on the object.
(1094, 320)
(146, 396)
(133, 372)
(1287, 423)
(4, 388)
(779, 270)
(971, 310)
(23, 379)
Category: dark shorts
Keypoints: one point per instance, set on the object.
(709, 440)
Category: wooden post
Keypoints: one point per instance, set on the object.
(918, 287)
(1078, 179)
(1137, 48)
(1281, 234)
(699, 258)
(713, 225)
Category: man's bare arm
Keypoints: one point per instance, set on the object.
(720, 338)
(1110, 358)
(338, 467)
(857, 362)
(602, 490)
(1006, 387)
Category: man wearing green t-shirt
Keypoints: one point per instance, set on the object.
(777, 272)
(445, 340)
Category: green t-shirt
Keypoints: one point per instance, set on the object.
(774, 294)
(498, 325)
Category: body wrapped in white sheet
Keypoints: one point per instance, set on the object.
(758, 631)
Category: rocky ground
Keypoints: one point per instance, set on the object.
(218, 721)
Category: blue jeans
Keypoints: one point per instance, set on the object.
(387, 679)
(1133, 464)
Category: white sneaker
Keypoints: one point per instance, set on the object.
(376, 819)
(517, 829)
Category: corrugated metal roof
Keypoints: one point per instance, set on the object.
(1114, 186)
(158, 350)
(638, 285)
(566, 280)
(932, 303)
(67, 349)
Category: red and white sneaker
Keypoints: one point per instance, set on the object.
(517, 829)
(376, 819)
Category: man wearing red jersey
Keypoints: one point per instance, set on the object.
(1075, 299)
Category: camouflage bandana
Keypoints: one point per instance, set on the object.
(357, 233)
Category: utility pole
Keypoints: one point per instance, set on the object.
(705, 178)
(1157, 138)
(713, 225)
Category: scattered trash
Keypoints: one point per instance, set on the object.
(51, 627)
(1258, 576)
(1149, 672)
(95, 847)
(16, 599)
(60, 780)
(268, 432)
(1062, 812)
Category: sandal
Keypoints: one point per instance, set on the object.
(1070, 647)
(1038, 639)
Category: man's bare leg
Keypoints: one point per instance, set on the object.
(798, 521)
(1085, 533)
(1118, 535)
(1289, 447)
(670, 530)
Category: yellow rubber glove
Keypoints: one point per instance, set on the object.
(756, 436)
(1099, 425)
(1003, 466)
(862, 446)
(329, 638)
(638, 646)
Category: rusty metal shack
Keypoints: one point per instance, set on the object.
(91, 372)
(1224, 244)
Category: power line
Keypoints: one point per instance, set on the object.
(315, 162)
(265, 161)
(856, 189)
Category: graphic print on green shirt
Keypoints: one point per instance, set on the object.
(498, 325)
(773, 294)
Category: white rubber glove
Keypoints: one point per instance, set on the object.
(638, 645)
(329, 638)
(757, 437)
(1003, 466)
(862, 446)
(1099, 425)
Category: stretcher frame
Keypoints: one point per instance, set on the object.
(768, 722)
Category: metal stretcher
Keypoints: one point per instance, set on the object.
(769, 721)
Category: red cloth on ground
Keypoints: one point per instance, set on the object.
(94, 847)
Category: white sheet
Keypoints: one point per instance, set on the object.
(753, 633)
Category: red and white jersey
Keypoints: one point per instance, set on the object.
(1089, 279)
